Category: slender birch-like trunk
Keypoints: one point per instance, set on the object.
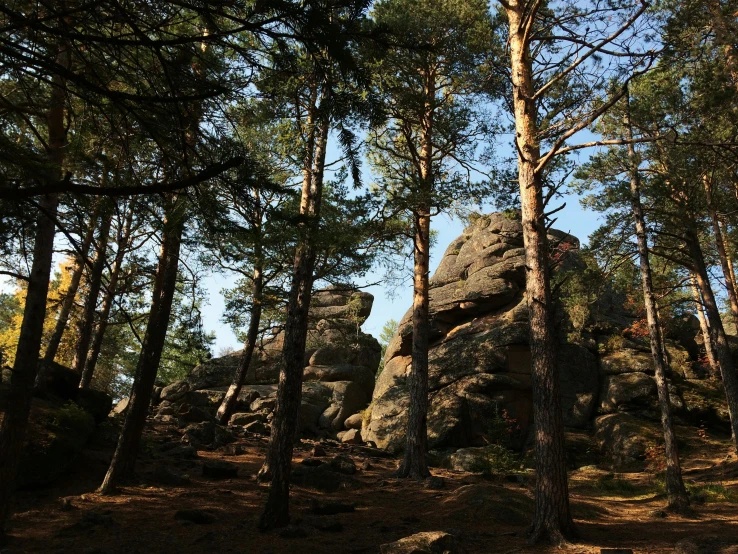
(67, 303)
(675, 491)
(165, 282)
(226, 408)
(719, 338)
(704, 326)
(108, 298)
(278, 462)
(89, 312)
(722, 253)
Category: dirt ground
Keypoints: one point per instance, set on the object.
(488, 514)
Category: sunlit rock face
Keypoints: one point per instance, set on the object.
(479, 360)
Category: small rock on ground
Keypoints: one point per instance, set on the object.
(432, 542)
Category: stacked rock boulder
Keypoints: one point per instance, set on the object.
(479, 360)
(340, 366)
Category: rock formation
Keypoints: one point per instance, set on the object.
(479, 360)
(340, 366)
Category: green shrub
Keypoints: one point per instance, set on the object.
(71, 419)
(495, 459)
(712, 492)
(611, 483)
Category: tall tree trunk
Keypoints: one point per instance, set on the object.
(257, 284)
(124, 458)
(93, 292)
(719, 339)
(676, 493)
(71, 292)
(722, 254)
(25, 368)
(704, 327)
(289, 393)
(414, 462)
(728, 256)
(93, 353)
(552, 517)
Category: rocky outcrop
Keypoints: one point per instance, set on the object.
(479, 360)
(63, 419)
(340, 366)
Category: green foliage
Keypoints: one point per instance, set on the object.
(712, 492)
(613, 484)
(70, 419)
(496, 459)
(427, 82)
(187, 344)
(389, 330)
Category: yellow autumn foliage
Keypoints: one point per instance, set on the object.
(57, 289)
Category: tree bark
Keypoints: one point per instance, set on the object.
(124, 458)
(284, 425)
(704, 327)
(69, 296)
(722, 254)
(93, 292)
(25, 368)
(257, 284)
(675, 491)
(108, 299)
(729, 258)
(414, 462)
(552, 517)
(719, 338)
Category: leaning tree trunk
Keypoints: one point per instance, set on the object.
(704, 327)
(414, 462)
(93, 291)
(231, 398)
(108, 298)
(722, 254)
(676, 493)
(71, 292)
(165, 282)
(289, 393)
(552, 516)
(25, 368)
(717, 331)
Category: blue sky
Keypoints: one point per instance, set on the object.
(392, 303)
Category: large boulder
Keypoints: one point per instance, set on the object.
(626, 390)
(625, 438)
(56, 380)
(340, 367)
(479, 358)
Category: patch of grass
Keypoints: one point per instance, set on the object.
(712, 492)
(612, 484)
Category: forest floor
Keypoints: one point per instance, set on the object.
(487, 513)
